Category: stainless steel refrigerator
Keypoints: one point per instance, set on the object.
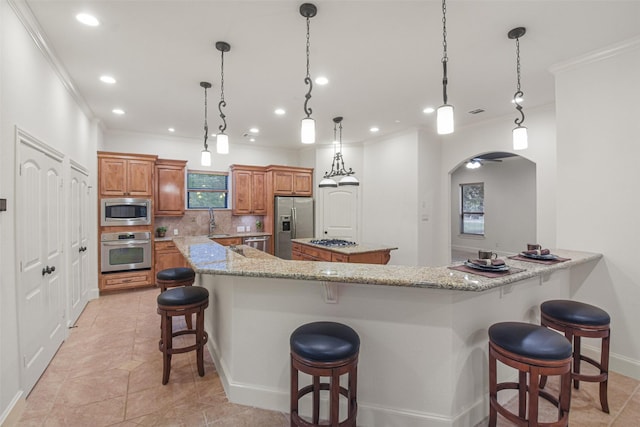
(293, 220)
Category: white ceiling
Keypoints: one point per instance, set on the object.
(382, 59)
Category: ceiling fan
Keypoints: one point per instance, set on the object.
(476, 162)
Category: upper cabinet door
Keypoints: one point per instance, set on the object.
(125, 175)
(169, 188)
(249, 190)
(291, 181)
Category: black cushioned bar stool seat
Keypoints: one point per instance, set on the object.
(576, 320)
(325, 349)
(534, 351)
(183, 301)
(174, 277)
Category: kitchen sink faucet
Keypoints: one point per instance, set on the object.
(212, 222)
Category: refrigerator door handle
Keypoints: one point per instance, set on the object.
(294, 221)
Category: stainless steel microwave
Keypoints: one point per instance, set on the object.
(127, 211)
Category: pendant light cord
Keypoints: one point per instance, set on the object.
(222, 102)
(307, 79)
(517, 97)
(445, 58)
(206, 126)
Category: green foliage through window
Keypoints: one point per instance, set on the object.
(472, 209)
(207, 190)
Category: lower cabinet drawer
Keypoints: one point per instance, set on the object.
(116, 281)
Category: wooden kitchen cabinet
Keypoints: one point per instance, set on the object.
(304, 252)
(126, 280)
(228, 241)
(291, 181)
(167, 255)
(249, 192)
(169, 187)
(125, 175)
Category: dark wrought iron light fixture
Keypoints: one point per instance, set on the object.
(520, 138)
(205, 158)
(222, 139)
(337, 165)
(444, 120)
(308, 125)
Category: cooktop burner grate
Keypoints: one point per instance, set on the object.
(332, 242)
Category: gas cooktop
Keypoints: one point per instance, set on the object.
(332, 242)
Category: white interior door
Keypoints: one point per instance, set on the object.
(78, 244)
(340, 213)
(39, 245)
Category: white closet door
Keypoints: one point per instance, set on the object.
(339, 213)
(40, 288)
(78, 244)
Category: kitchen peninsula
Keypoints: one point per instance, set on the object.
(423, 330)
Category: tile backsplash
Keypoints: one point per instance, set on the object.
(196, 223)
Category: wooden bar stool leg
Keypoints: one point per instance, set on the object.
(334, 404)
(316, 399)
(576, 357)
(565, 394)
(534, 381)
(353, 392)
(200, 341)
(493, 389)
(167, 345)
(522, 394)
(604, 369)
(293, 394)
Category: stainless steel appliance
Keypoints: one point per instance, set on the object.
(293, 220)
(125, 251)
(126, 211)
(258, 242)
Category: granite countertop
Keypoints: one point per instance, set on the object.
(208, 257)
(218, 236)
(360, 248)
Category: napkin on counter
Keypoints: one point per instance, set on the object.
(537, 252)
(492, 262)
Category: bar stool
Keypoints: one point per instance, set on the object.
(325, 349)
(536, 351)
(577, 320)
(172, 277)
(183, 301)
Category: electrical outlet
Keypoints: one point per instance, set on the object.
(240, 228)
(175, 231)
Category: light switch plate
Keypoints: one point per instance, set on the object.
(175, 231)
(240, 228)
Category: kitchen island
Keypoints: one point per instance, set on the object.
(423, 330)
(336, 251)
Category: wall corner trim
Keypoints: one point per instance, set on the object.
(597, 55)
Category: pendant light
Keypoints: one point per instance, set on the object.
(205, 158)
(308, 125)
(222, 139)
(444, 120)
(520, 138)
(337, 165)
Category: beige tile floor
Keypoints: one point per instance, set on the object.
(109, 371)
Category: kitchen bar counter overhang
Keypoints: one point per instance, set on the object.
(423, 330)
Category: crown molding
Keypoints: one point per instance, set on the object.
(597, 55)
(31, 24)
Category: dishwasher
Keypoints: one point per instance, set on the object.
(258, 242)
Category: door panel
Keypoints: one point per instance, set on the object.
(339, 213)
(39, 229)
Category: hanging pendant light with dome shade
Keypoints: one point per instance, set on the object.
(520, 137)
(337, 165)
(205, 157)
(222, 139)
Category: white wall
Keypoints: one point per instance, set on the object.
(168, 147)
(509, 205)
(495, 135)
(390, 195)
(32, 97)
(598, 203)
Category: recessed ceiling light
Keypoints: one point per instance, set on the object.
(171, 130)
(252, 139)
(374, 129)
(428, 110)
(118, 111)
(322, 81)
(87, 19)
(254, 130)
(279, 111)
(107, 79)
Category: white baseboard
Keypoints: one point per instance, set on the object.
(617, 363)
(13, 412)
